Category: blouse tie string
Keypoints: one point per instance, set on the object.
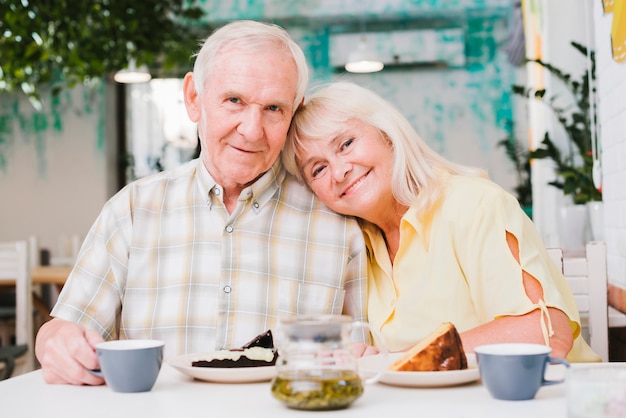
(546, 323)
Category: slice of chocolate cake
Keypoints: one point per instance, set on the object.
(265, 340)
(257, 352)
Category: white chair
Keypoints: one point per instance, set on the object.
(587, 278)
(67, 250)
(15, 271)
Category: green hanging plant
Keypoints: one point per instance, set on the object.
(57, 44)
(574, 168)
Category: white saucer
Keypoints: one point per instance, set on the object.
(371, 365)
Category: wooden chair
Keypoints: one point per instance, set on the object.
(15, 271)
(587, 278)
(46, 291)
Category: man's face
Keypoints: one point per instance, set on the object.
(243, 114)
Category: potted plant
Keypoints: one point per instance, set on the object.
(575, 167)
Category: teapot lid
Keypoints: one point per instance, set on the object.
(318, 329)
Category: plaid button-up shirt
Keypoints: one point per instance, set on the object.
(165, 259)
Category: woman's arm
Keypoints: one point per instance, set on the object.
(524, 328)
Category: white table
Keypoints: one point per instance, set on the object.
(177, 395)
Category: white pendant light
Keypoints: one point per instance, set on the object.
(132, 74)
(363, 60)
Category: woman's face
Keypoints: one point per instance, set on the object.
(351, 170)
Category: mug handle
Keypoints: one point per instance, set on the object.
(562, 361)
(383, 347)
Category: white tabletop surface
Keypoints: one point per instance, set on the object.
(177, 395)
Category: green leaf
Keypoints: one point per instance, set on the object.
(80, 41)
(574, 165)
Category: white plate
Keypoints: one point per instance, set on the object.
(220, 374)
(371, 365)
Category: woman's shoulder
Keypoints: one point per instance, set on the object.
(472, 186)
(464, 192)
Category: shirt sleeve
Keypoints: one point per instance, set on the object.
(93, 292)
(493, 274)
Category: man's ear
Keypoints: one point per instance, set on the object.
(192, 98)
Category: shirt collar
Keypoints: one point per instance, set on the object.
(262, 190)
(259, 193)
(205, 181)
(414, 224)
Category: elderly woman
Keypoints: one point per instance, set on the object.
(445, 244)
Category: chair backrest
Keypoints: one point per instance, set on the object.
(15, 270)
(587, 278)
(65, 255)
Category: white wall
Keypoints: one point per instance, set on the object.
(611, 78)
(58, 165)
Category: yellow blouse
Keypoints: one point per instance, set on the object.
(454, 265)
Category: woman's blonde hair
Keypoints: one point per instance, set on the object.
(249, 36)
(415, 164)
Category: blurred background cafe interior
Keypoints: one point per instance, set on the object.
(532, 91)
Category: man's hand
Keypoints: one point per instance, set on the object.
(66, 352)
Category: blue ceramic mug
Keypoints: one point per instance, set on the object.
(515, 371)
(130, 365)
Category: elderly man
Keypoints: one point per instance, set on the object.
(209, 254)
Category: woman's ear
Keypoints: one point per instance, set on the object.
(386, 139)
(192, 98)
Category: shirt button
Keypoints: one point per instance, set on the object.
(229, 229)
(256, 205)
(217, 191)
(227, 289)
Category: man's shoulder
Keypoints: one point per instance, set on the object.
(166, 181)
(183, 171)
(186, 171)
(301, 209)
(298, 195)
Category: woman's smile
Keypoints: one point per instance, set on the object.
(355, 185)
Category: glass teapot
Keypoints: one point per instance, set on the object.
(316, 369)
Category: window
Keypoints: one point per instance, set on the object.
(159, 133)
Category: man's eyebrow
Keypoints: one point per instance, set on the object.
(230, 93)
(281, 104)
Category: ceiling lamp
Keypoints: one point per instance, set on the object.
(132, 74)
(363, 60)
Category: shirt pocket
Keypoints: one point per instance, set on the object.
(298, 298)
